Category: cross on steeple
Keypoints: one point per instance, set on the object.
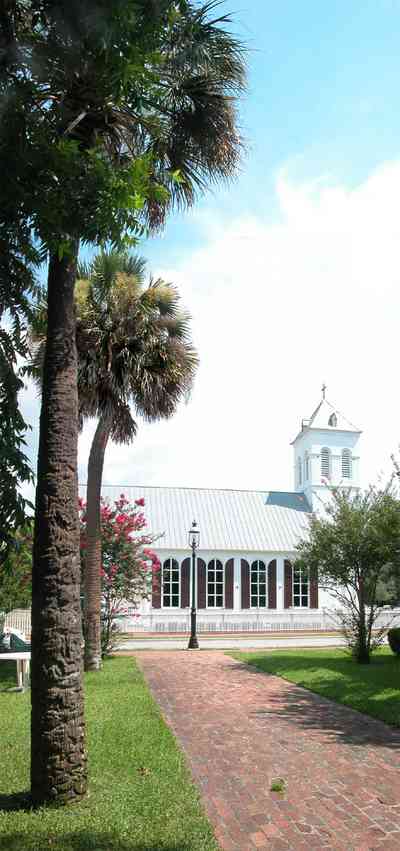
(323, 388)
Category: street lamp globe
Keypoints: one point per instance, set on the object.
(194, 536)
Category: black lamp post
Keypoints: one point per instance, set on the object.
(194, 539)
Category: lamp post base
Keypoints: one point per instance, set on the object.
(193, 643)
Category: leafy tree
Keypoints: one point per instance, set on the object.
(353, 548)
(16, 571)
(134, 349)
(111, 112)
(127, 562)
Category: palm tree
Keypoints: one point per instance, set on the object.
(133, 349)
(172, 106)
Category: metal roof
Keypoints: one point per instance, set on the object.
(227, 519)
(288, 499)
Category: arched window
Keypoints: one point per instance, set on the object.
(215, 584)
(346, 464)
(332, 420)
(258, 585)
(306, 467)
(300, 587)
(325, 463)
(170, 583)
(299, 471)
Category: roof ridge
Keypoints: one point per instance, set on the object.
(190, 488)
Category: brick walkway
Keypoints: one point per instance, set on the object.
(241, 729)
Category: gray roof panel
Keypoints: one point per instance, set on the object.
(227, 519)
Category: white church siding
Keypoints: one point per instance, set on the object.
(238, 528)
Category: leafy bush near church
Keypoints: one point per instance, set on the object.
(354, 546)
(394, 640)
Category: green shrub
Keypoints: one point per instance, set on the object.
(394, 640)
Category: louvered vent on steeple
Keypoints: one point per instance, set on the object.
(325, 463)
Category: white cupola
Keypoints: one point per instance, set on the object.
(325, 454)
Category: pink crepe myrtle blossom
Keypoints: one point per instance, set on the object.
(129, 565)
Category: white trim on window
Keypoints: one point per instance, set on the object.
(171, 584)
(215, 579)
(258, 585)
(300, 588)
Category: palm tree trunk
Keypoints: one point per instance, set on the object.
(58, 764)
(92, 567)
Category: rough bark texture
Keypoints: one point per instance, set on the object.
(58, 765)
(92, 566)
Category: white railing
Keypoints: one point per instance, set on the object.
(18, 619)
(291, 620)
(319, 620)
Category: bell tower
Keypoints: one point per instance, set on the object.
(326, 453)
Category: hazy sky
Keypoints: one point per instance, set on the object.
(291, 274)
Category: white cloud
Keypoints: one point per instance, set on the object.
(279, 308)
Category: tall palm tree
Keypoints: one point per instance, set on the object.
(134, 349)
(172, 106)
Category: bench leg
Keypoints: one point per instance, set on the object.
(20, 673)
(26, 673)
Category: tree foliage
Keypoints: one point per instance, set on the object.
(111, 112)
(354, 547)
(16, 571)
(127, 561)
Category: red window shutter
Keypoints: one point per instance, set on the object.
(229, 584)
(272, 584)
(288, 596)
(156, 590)
(245, 576)
(201, 584)
(185, 583)
(314, 589)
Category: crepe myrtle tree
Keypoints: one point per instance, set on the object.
(128, 564)
(353, 546)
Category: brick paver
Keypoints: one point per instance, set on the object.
(242, 729)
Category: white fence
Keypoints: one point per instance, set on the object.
(319, 620)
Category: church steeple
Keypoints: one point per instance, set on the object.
(326, 453)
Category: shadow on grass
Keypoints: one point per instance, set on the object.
(83, 840)
(8, 674)
(17, 801)
(318, 710)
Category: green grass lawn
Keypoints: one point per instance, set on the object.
(373, 689)
(140, 797)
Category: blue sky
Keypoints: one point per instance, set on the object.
(323, 98)
(291, 273)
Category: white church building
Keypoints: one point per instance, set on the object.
(246, 576)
